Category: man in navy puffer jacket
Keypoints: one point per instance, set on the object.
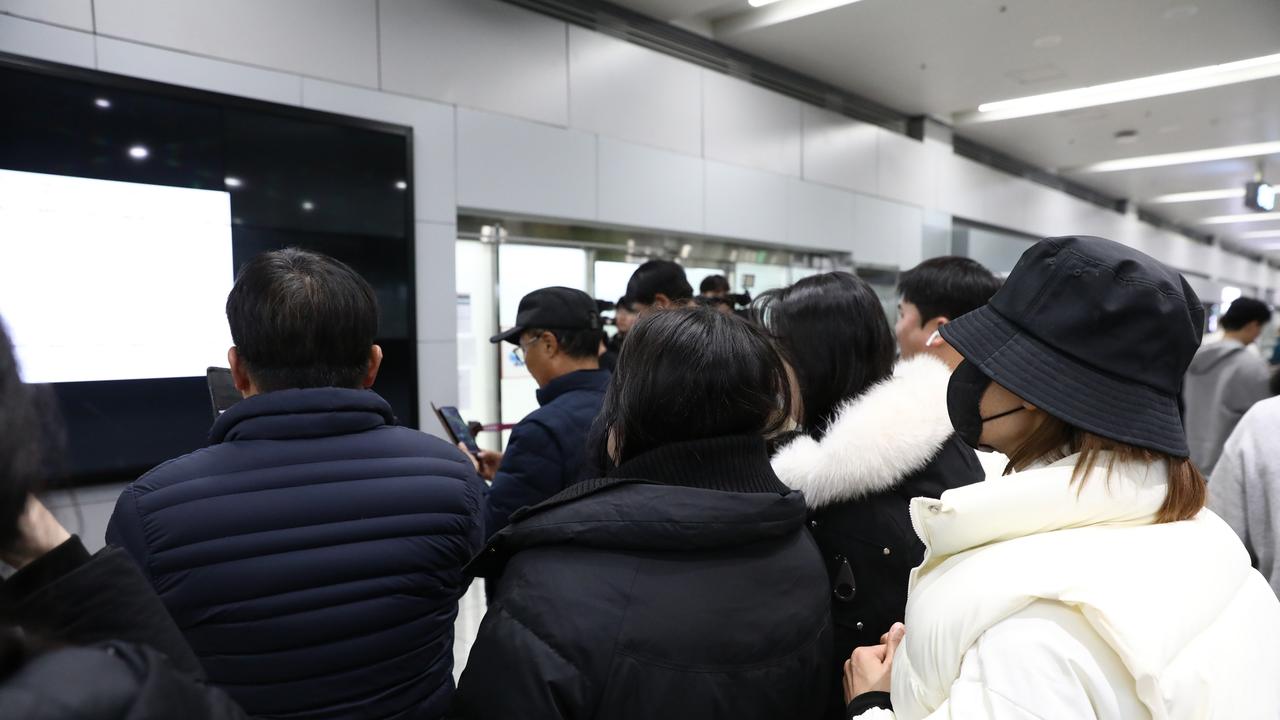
(313, 554)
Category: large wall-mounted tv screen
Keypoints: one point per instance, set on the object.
(126, 208)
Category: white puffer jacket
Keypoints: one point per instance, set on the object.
(1041, 599)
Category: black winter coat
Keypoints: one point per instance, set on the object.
(313, 555)
(683, 586)
(96, 644)
(887, 446)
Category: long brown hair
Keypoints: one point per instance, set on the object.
(1054, 439)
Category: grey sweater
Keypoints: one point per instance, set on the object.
(1225, 380)
(1245, 488)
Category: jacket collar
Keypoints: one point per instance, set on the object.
(1039, 501)
(702, 494)
(591, 380)
(878, 438)
(308, 413)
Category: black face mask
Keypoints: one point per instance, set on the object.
(964, 398)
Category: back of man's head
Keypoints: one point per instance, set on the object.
(300, 319)
(1244, 311)
(659, 277)
(947, 287)
(714, 285)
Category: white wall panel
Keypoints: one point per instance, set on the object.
(332, 39)
(45, 42)
(168, 66)
(437, 302)
(819, 216)
(434, 159)
(645, 187)
(745, 203)
(903, 171)
(625, 91)
(840, 151)
(437, 382)
(477, 53)
(526, 167)
(748, 125)
(76, 14)
(887, 233)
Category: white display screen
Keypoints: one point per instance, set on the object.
(104, 280)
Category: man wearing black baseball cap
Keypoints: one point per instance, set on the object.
(558, 336)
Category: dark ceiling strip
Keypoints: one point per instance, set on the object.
(638, 28)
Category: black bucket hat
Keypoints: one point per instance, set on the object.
(1094, 333)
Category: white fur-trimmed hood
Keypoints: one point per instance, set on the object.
(879, 438)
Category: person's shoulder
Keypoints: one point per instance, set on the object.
(39, 690)
(1263, 417)
(197, 463)
(408, 442)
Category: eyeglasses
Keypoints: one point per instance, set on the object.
(522, 349)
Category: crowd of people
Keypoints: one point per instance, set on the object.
(996, 508)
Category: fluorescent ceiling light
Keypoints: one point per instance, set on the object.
(1136, 89)
(1258, 234)
(1242, 218)
(774, 12)
(1183, 158)
(1198, 196)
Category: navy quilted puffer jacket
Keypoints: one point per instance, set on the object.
(312, 555)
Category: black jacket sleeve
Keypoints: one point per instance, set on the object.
(72, 597)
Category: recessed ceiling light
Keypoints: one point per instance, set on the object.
(1258, 234)
(1241, 218)
(233, 182)
(1125, 90)
(102, 103)
(1183, 158)
(776, 12)
(308, 206)
(139, 152)
(1126, 137)
(402, 185)
(1199, 195)
(760, 3)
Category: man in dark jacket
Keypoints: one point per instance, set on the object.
(558, 331)
(313, 555)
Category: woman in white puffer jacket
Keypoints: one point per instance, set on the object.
(1091, 583)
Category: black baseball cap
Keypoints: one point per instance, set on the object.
(553, 308)
(1094, 333)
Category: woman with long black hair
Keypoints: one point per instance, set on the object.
(81, 637)
(872, 436)
(681, 585)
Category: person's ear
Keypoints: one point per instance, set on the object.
(375, 363)
(933, 326)
(238, 373)
(551, 343)
(661, 301)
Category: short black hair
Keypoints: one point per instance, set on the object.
(947, 287)
(1244, 311)
(691, 374)
(625, 303)
(714, 283)
(300, 319)
(659, 277)
(580, 344)
(834, 333)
